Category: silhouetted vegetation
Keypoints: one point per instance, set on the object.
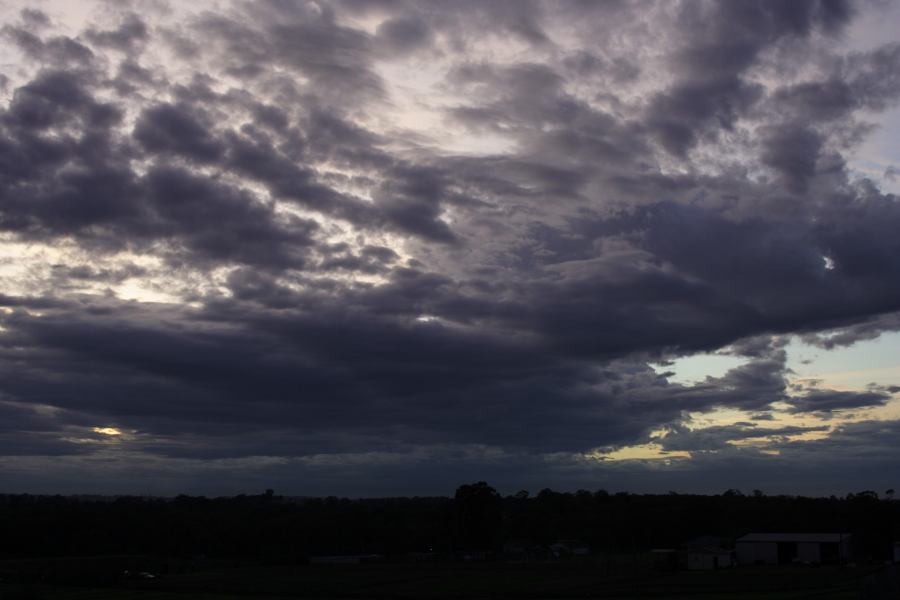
(279, 529)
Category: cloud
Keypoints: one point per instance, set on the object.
(403, 34)
(250, 235)
(828, 401)
(168, 129)
(126, 37)
(722, 437)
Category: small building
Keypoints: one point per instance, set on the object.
(567, 548)
(524, 550)
(707, 553)
(347, 559)
(789, 548)
(664, 559)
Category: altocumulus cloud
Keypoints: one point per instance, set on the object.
(353, 247)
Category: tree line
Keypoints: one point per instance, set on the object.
(477, 518)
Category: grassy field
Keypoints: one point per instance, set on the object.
(592, 579)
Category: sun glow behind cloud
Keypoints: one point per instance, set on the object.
(109, 431)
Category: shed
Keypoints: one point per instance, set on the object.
(707, 553)
(788, 548)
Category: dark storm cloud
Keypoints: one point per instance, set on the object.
(301, 37)
(401, 35)
(725, 279)
(847, 336)
(82, 184)
(66, 274)
(792, 151)
(682, 114)
(207, 218)
(312, 371)
(864, 80)
(256, 156)
(34, 18)
(372, 259)
(411, 200)
(131, 33)
(723, 42)
(864, 438)
(58, 167)
(19, 444)
(33, 430)
(171, 129)
(56, 98)
(718, 438)
(353, 290)
(827, 401)
(57, 51)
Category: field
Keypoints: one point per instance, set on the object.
(588, 579)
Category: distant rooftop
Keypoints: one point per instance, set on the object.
(794, 537)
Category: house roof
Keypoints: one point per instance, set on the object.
(794, 537)
(706, 541)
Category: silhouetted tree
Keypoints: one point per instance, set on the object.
(478, 516)
(281, 529)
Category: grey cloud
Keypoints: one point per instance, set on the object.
(20, 444)
(718, 438)
(350, 292)
(873, 76)
(686, 112)
(424, 383)
(209, 218)
(173, 130)
(84, 186)
(828, 401)
(763, 417)
(891, 173)
(257, 157)
(863, 445)
(792, 151)
(404, 34)
(54, 98)
(411, 200)
(34, 18)
(64, 274)
(517, 19)
(757, 346)
(372, 259)
(867, 330)
(864, 80)
(821, 100)
(132, 32)
(57, 50)
(337, 58)
(713, 93)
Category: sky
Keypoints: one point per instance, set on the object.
(381, 248)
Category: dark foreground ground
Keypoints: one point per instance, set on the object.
(590, 578)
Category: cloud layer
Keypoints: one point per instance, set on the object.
(435, 240)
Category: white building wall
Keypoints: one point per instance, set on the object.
(809, 552)
(750, 553)
(707, 561)
(698, 561)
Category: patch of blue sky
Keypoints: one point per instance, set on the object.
(696, 368)
(848, 368)
(878, 157)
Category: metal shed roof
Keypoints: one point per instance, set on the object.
(821, 538)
